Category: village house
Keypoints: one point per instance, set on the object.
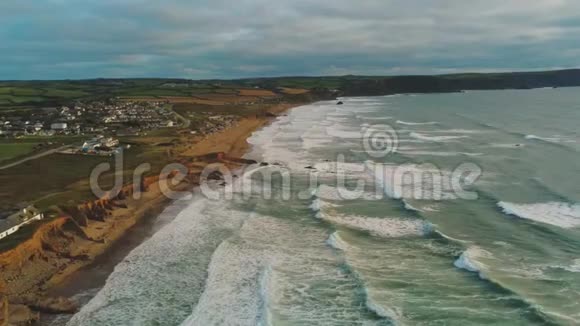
(14, 222)
(59, 126)
(99, 143)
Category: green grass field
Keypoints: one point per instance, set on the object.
(67, 93)
(12, 150)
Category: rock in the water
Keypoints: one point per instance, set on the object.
(339, 103)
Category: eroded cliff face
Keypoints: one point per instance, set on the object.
(52, 247)
(25, 268)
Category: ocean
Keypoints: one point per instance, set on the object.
(427, 209)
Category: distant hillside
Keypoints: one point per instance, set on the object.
(16, 95)
(370, 85)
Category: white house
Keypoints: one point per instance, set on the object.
(38, 126)
(59, 126)
(14, 222)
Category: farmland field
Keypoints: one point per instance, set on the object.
(12, 150)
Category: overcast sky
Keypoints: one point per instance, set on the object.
(59, 39)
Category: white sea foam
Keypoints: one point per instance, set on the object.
(452, 239)
(178, 254)
(573, 267)
(315, 142)
(338, 119)
(294, 269)
(230, 296)
(458, 131)
(420, 136)
(410, 207)
(361, 117)
(431, 153)
(338, 194)
(319, 204)
(406, 123)
(394, 315)
(560, 214)
(342, 167)
(431, 208)
(336, 242)
(553, 139)
(341, 132)
(387, 227)
(415, 181)
(469, 261)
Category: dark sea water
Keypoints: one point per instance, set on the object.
(467, 213)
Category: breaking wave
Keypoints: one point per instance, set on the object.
(386, 227)
(416, 123)
(410, 207)
(373, 118)
(554, 139)
(336, 242)
(381, 311)
(469, 261)
(560, 214)
(430, 153)
(420, 136)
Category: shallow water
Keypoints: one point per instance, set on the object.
(501, 249)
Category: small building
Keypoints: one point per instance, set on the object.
(99, 142)
(14, 222)
(59, 126)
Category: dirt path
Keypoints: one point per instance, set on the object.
(33, 157)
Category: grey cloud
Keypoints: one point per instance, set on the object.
(203, 39)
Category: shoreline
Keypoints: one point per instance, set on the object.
(84, 279)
